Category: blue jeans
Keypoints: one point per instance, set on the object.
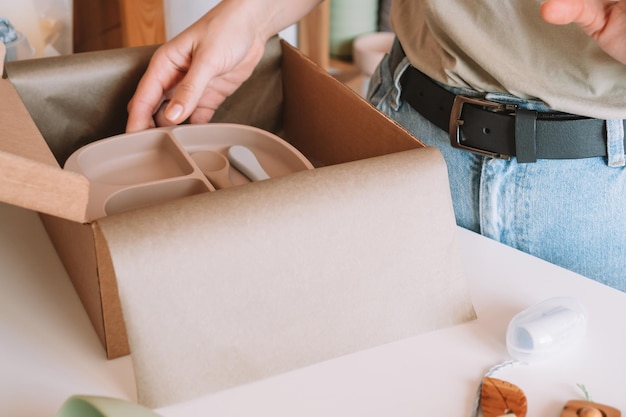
(568, 212)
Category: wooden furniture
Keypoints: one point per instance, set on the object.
(96, 25)
(313, 34)
(142, 22)
(106, 24)
(102, 24)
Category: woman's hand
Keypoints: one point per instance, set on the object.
(191, 75)
(603, 20)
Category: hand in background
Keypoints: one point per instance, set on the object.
(603, 20)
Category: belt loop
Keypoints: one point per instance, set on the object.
(526, 135)
(615, 142)
(397, 76)
(398, 63)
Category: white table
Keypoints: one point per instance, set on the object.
(48, 350)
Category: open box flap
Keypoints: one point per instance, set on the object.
(41, 187)
(30, 177)
(317, 107)
(224, 288)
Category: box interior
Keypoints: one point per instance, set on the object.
(75, 100)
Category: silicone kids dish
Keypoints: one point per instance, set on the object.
(138, 169)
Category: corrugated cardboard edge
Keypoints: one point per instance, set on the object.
(88, 262)
(36, 186)
(116, 340)
(30, 177)
(79, 258)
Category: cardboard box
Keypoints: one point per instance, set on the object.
(74, 100)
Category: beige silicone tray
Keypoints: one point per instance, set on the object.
(135, 170)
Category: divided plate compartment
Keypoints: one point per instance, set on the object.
(135, 170)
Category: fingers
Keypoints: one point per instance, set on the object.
(188, 93)
(171, 88)
(148, 96)
(142, 106)
(561, 12)
(201, 115)
(194, 73)
(587, 13)
(603, 20)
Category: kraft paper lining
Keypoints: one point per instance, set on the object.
(230, 287)
(77, 99)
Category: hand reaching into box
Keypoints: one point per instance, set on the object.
(191, 75)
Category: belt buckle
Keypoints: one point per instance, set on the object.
(456, 122)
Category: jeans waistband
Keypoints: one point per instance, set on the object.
(478, 124)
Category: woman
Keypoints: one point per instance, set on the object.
(537, 163)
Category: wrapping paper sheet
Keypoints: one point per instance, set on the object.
(77, 99)
(233, 286)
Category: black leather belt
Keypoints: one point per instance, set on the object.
(500, 130)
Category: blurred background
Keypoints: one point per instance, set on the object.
(347, 37)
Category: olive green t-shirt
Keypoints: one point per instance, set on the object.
(505, 46)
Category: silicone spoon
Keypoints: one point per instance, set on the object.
(214, 166)
(246, 162)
